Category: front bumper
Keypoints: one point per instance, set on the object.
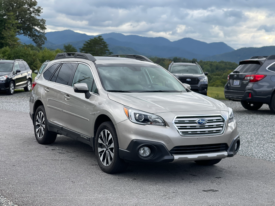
(4, 85)
(201, 88)
(161, 154)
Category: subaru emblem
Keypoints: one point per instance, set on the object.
(201, 122)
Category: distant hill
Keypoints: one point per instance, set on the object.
(133, 44)
(243, 53)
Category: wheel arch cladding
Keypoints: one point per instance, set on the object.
(99, 120)
(36, 105)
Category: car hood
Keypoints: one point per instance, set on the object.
(168, 102)
(4, 73)
(188, 75)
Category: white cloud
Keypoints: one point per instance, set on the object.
(239, 23)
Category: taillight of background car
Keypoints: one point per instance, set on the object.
(254, 77)
(33, 84)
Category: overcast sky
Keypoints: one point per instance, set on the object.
(238, 23)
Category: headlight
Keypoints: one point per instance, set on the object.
(230, 115)
(204, 80)
(144, 118)
(3, 78)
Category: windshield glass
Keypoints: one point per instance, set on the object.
(6, 66)
(42, 68)
(248, 68)
(186, 69)
(137, 78)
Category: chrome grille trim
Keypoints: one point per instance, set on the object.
(187, 125)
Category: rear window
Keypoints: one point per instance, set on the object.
(248, 67)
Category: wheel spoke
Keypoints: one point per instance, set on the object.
(111, 146)
(101, 149)
(111, 154)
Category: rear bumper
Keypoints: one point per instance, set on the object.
(244, 96)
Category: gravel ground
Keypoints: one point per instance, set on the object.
(256, 127)
(5, 202)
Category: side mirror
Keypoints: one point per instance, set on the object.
(35, 71)
(17, 71)
(82, 88)
(187, 86)
(206, 73)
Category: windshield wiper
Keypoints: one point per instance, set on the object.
(117, 91)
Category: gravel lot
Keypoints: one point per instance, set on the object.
(66, 173)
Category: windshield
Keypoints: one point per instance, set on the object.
(248, 68)
(186, 69)
(6, 66)
(42, 68)
(137, 78)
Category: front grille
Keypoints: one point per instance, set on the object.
(187, 125)
(199, 149)
(189, 80)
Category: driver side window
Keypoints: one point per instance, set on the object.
(83, 74)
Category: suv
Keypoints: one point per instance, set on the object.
(192, 74)
(253, 83)
(128, 109)
(15, 74)
(43, 66)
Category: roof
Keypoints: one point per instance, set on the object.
(118, 60)
(184, 63)
(11, 61)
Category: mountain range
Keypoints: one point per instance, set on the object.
(155, 46)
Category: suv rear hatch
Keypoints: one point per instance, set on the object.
(240, 78)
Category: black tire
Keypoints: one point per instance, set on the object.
(107, 152)
(42, 134)
(29, 86)
(272, 104)
(10, 91)
(208, 162)
(251, 105)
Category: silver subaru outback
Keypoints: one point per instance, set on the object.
(129, 109)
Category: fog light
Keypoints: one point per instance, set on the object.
(237, 144)
(144, 151)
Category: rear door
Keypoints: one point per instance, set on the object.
(236, 79)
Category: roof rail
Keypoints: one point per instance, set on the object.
(271, 57)
(18, 60)
(258, 57)
(76, 55)
(132, 56)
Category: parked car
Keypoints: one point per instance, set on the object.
(192, 74)
(128, 109)
(15, 74)
(43, 66)
(253, 83)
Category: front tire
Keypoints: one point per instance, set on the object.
(107, 149)
(10, 91)
(42, 134)
(29, 86)
(251, 105)
(272, 104)
(208, 162)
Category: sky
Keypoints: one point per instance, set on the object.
(238, 23)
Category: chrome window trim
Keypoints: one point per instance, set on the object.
(270, 66)
(215, 134)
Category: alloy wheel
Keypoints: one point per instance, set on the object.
(29, 85)
(106, 147)
(40, 124)
(11, 88)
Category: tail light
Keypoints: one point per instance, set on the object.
(228, 78)
(33, 84)
(254, 77)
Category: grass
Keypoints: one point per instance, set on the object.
(216, 92)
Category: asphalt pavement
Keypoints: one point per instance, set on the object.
(66, 173)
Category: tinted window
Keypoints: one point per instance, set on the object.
(272, 68)
(53, 79)
(16, 67)
(6, 67)
(50, 71)
(137, 78)
(22, 66)
(248, 68)
(66, 73)
(186, 69)
(83, 74)
(43, 66)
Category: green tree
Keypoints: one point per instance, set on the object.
(96, 46)
(9, 32)
(27, 14)
(69, 48)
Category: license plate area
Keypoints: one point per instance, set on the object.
(236, 82)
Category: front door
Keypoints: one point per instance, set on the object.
(16, 76)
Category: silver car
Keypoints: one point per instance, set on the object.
(129, 110)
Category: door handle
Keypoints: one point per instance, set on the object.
(67, 97)
(46, 89)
